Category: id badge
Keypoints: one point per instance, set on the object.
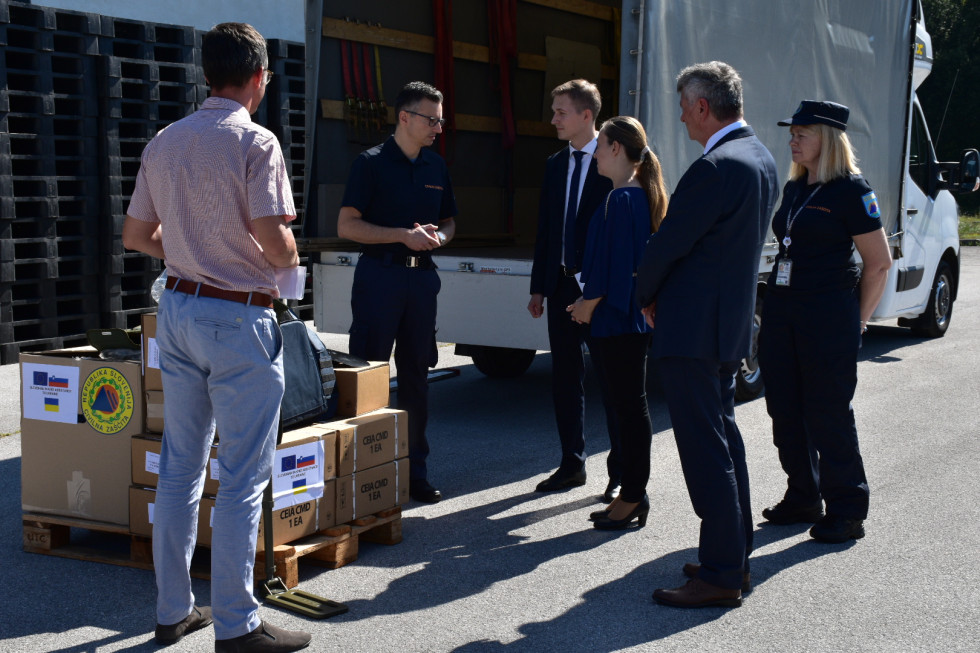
(783, 271)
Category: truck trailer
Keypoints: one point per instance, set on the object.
(871, 56)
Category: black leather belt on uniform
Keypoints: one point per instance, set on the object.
(567, 272)
(420, 261)
(204, 290)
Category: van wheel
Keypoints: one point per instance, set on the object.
(502, 362)
(934, 322)
(748, 380)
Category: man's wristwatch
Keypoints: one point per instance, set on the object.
(442, 238)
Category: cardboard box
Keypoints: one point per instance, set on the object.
(370, 440)
(344, 502)
(78, 415)
(141, 509)
(146, 463)
(154, 411)
(321, 430)
(151, 353)
(291, 523)
(327, 508)
(298, 466)
(361, 389)
(372, 490)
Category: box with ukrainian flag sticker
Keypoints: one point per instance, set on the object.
(303, 460)
(78, 413)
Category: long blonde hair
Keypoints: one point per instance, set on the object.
(837, 158)
(628, 132)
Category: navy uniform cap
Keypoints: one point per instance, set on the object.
(811, 112)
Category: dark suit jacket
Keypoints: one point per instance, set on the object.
(551, 219)
(701, 267)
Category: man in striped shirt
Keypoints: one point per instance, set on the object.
(213, 199)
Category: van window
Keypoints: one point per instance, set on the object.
(920, 152)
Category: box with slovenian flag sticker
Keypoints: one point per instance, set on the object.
(78, 414)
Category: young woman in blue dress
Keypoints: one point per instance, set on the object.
(617, 237)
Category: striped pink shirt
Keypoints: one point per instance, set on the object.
(205, 178)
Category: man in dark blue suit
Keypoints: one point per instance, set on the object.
(697, 284)
(571, 193)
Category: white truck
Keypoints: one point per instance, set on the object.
(866, 54)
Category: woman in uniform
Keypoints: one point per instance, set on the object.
(817, 307)
(616, 239)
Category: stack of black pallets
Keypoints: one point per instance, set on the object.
(80, 96)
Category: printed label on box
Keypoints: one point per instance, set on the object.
(214, 468)
(152, 353)
(149, 511)
(297, 474)
(152, 463)
(50, 392)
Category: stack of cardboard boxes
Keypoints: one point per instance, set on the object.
(92, 434)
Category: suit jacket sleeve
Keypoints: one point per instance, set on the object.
(693, 209)
(541, 242)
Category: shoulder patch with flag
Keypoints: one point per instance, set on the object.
(871, 205)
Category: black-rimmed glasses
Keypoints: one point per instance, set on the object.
(433, 120)
(268, 76)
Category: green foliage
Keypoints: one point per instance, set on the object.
(955, 81)
(970, 226)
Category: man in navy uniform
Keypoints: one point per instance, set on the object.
(399, 205)
(697, 284)
(571, 193)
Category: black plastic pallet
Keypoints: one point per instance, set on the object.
(10, 350)
(49, 18)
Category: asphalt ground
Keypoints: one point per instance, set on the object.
(496, 567)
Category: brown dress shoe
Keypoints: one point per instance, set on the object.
(691, 570)
(265, 639)
(699, 594)
(173, 633)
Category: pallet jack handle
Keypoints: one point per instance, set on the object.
(274, 590)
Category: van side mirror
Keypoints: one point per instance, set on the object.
(961, 177)
(969, 172)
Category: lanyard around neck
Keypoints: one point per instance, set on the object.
(791, 217)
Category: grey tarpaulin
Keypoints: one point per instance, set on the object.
(856, 52)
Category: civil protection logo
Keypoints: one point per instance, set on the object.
(107, 400)
(871, 205)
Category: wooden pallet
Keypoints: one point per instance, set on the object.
(111, 544)
(66, 537)
(333, 547)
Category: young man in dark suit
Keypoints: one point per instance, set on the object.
(571, 193)
(697, 284)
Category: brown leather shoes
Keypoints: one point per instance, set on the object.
(699, 594)
(265, 639)
(691, 570)
(173, 633)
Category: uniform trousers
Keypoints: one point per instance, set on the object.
(700, 397)
(395, 306)
(221, 363)
(567, 339)
(624, 375)
(808, 350)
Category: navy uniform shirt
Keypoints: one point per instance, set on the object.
(822, 249)
(615, 245)
(390, 190)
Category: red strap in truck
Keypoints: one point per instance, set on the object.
(442, 12)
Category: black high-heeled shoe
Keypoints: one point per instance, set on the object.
(638, 513)
(598, 514)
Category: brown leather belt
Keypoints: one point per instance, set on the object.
(204, 290)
